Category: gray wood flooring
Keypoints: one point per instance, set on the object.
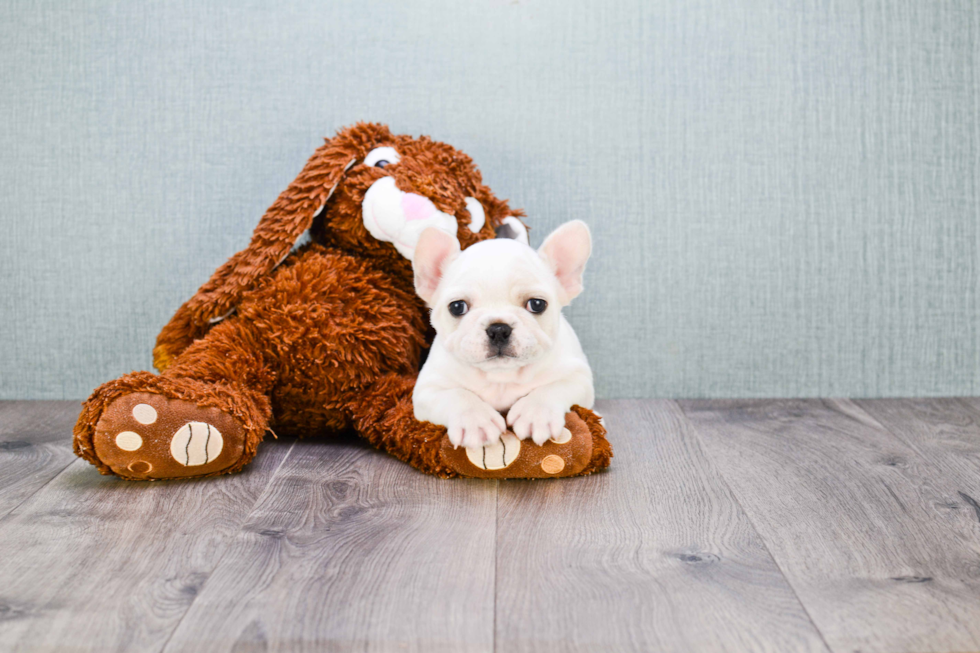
(763, 525)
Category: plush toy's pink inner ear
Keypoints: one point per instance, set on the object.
(567, 250)
(434, 252)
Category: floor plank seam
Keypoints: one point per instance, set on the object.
(884, 429)
(755, 529)
(34, 493)
(496, 540)
(912, 445)
(872, 507)
(231, 541)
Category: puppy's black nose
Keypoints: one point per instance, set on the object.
(498, 332)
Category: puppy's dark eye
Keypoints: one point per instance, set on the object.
(381, 164)
(536, 305)
(458, 308)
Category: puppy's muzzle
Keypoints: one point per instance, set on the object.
(499, 334)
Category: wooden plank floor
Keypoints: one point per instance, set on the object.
(782, 525)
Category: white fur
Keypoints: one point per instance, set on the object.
(388, 154)
(478, 216)
(541, 372)
(384, 217)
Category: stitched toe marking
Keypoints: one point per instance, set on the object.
(196, 443)
(495, 456)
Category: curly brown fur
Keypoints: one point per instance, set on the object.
(328, 337)
(250, 408)
(602, 452)
(436, 170)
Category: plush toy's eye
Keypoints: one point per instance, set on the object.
(380, 157)
(458, 308)
(536, 305)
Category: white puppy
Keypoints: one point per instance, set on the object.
(502, 344)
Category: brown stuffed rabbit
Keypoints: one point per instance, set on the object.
(319, 339)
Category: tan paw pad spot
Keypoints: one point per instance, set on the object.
(196, 443)
(495, 456)
(565, 436)
(129, 441)
(140, 467)
(552, 464)
(144, 413)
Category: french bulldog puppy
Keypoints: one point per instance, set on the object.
(502, 345)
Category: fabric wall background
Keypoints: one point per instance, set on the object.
(784, 196)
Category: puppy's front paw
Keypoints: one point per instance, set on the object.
(537, 419)
(476, 424)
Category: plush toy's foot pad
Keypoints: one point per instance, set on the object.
(145, 436)
(513, 458)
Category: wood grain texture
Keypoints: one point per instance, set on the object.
(654, 555)
(35, 445)
(764, 526)
(868, 531)
(95, 563)
(944, 431)
(353, 550)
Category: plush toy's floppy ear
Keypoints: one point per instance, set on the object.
(566, 250)
(435, 250)
(283, 223)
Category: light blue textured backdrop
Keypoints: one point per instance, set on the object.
(784, 195)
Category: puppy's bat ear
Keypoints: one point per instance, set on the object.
(283, 223)
(566, 250)
(435, 251)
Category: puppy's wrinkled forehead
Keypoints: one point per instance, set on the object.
(497, 269)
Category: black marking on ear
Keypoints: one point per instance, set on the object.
(512, 228)
(507, 231)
